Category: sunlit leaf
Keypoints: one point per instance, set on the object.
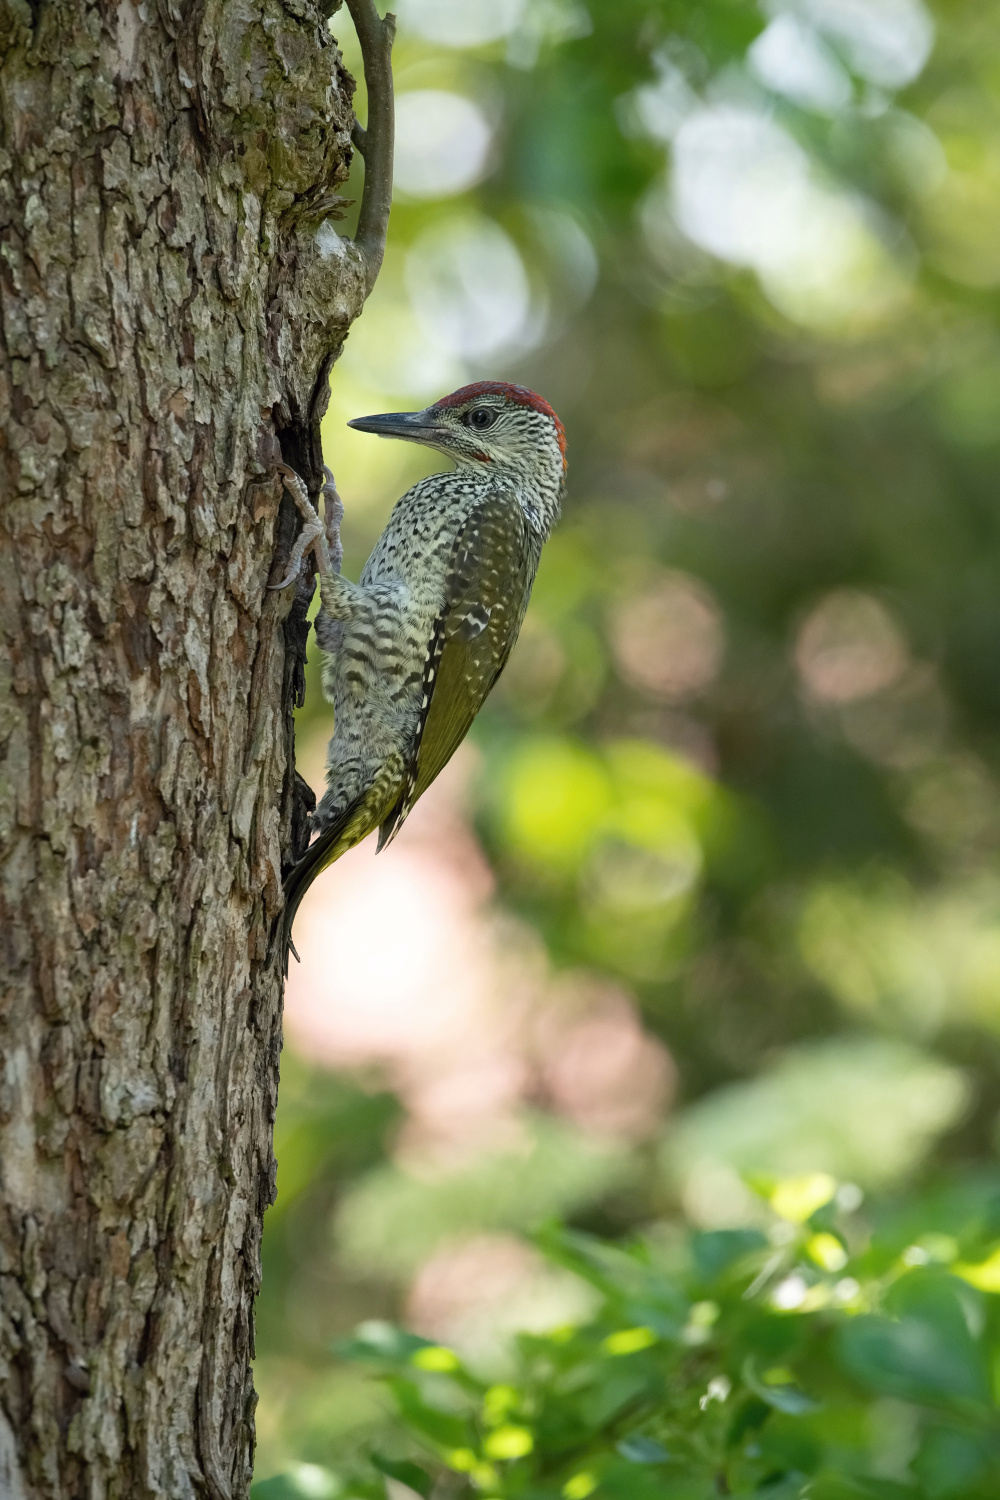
(798, 1198)
(629, 1341)
(509, 1442)
(435, 1357)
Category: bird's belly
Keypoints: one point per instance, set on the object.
(375, 678)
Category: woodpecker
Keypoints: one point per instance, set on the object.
(412, 650)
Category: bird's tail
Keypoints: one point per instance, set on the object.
(334, 841)
(347, 828)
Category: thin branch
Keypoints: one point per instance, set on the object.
(375, 142)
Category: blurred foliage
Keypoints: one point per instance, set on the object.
(825, 1355)
(744, 761)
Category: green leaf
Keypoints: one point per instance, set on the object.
(620, 1387)
(406, 1472)
(378, 1340)
(949, 1461)
(783, 1487)
(304, 1482)
(642, 1450)
(928, 1353)
(278, 1487)
(667, 1316)
(607, 1267)
(780, 1393)
(748, 1416)
(443, 1429)
(718, 1249)
(839, 1487)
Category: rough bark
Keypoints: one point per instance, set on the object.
(172, 294)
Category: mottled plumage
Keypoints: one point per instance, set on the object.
(413, 648)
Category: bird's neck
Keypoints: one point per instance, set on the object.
(538, 487)
(543, 501)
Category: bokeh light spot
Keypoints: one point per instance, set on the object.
(790, 58)
(827, 1251)
(797, 1198)
(629, 1341)
(468, 286)
(557, 795)
(669, 639)
(745, 190)
(442, 143)
(509, 1442)
(849, 647)
(886, 41)
(461, 23)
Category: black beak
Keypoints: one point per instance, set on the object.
(413, 426)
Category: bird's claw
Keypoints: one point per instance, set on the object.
(288, 578)
(312, 536)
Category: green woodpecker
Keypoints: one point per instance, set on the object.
(415, 646)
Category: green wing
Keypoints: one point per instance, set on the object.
(489, 581)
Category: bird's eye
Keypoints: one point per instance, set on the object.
(480, 418)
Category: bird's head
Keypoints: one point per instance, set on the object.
(490, 422)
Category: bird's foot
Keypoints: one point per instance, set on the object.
(313, 537)
(333, 514)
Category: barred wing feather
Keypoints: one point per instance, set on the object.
(489, 581)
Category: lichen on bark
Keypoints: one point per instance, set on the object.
(173, 291)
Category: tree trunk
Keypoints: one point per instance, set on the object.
(172, 295)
